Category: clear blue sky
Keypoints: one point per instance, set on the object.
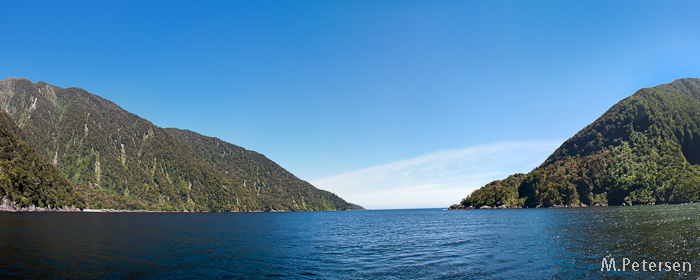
(327, 88)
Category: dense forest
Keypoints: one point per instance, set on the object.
(643, 150)
(260, 175)
(116, 159)
(27, 178)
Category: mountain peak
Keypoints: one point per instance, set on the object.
(16, 80)
(684, 86)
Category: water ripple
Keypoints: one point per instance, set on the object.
(396, 244)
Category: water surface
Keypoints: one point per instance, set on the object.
(387, 244)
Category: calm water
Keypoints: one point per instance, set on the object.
(391, 244)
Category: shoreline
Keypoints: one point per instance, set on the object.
(10, 206)
(34, 209)
(462, 207)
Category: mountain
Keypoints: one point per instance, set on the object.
(127, 160)
(260, 175)
(645, 149)
(27, 178)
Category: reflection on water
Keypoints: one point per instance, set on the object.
(472, 244)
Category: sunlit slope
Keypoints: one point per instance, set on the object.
(644, 149)
(96, 143)
(260, 175)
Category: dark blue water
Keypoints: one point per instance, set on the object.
(391, 244)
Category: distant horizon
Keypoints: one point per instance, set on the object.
(330, 89)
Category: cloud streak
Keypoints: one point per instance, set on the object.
(436, 179)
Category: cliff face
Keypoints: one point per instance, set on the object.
(644, 149)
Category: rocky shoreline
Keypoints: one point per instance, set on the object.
(10, 206)
(462, 207)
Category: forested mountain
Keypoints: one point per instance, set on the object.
(260, 175)
(98, 145)
(644, 149)
(26, 177)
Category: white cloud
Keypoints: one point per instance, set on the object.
(437, 179)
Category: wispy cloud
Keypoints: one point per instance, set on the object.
(436, 179)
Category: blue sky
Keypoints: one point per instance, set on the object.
(329, 89)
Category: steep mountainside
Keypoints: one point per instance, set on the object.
(260, 175)
(645, 149)
(94, 142)
(26, 177)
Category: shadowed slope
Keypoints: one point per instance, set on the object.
(27, 178)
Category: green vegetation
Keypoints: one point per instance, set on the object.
(26, 177)
(643, 150)
(116, 159)
(270, 182)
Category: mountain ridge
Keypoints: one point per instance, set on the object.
(247, 167)
(103, 148)
(640, 151)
